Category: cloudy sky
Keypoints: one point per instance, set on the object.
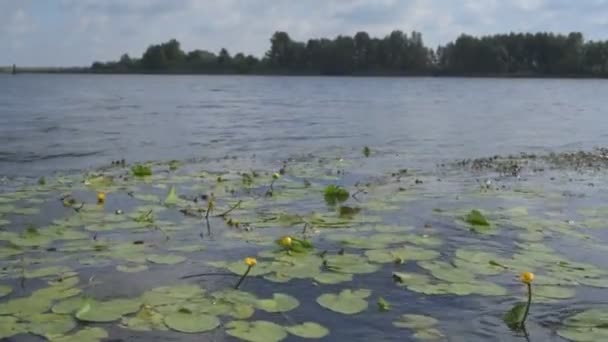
(77, 32)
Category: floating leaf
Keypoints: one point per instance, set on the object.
(171, 198)
(308, 330)
(416, 322)
(335, 194)
(279, 303)
(383, 305)
(108, 311)
(401, 254)
(5, 290)
(69, 306)
(145, 320)
(50, 324)
(169, 259)
(430, 334)
(140, 170)
(514, 317)
(348, 302)
(191, 322)
(256, 331)
(476, 218)
(349, 263)
(333, 278)
(87, 334)
(9, 327)
(131, 269)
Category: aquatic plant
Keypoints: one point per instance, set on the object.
(292, 244)
(334, 194)
(475, 217)
(516, 317)
(250, 262)
(366, 151)
(101, 197)
(140, 170)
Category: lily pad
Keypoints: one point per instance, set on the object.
(169, 259)
(514, 317)
(108, 311)
(10, 326)
(333, 278)
(5, 290)
(131, 269)
(412, 321)
(87, 334)
(147, 319)
(401, 254)
(279, 303)
(347, 302)
(308, 330)
(50, 324)
(349, 263)
(191, 322)
(256, 331)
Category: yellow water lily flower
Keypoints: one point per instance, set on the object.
(285, 242)
(527, 277)
(250, 262)
(101, 197)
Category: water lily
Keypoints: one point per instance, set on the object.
(285, 242)
(250, 262)
(527, 277)
(101, 197)
(276, 175)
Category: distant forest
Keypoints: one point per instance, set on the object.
(399, 53)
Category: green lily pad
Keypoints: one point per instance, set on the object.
(47, 271)
(447, 272)
(416, 322)
(256, 331)
(108, 311)
(349, 263)
(172, 197)
(169, 259)
(87, 334)
(145, 320)
(165, 295)
(347, 302)
(407, 278)
(513, 318)
(308, 330)
(9, 327)
(553, 292)
(69, 305)
(400, 254)
(50, 324)
(187, 248)
(430, 334)
(5, 290)
(332, 277)
(191, 322)
(587, 326)
(476, 218)
(25, 307)
(279, 303)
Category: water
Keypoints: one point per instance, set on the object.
(61, 126)
(54, 123)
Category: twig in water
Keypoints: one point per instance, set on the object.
(230, 210)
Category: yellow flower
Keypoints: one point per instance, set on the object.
(276, 175)
(101, 197)
(526, 277)
(285, 241)
(250, 261)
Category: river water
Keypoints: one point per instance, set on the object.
(411, 198)
(72, 122)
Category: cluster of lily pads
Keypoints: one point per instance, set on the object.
(161, 217)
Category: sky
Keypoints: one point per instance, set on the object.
(78, 32)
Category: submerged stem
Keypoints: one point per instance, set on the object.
(523, 320)
(236, 287)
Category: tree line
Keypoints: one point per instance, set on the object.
(399, 53)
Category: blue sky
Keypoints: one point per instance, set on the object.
(77, 32)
